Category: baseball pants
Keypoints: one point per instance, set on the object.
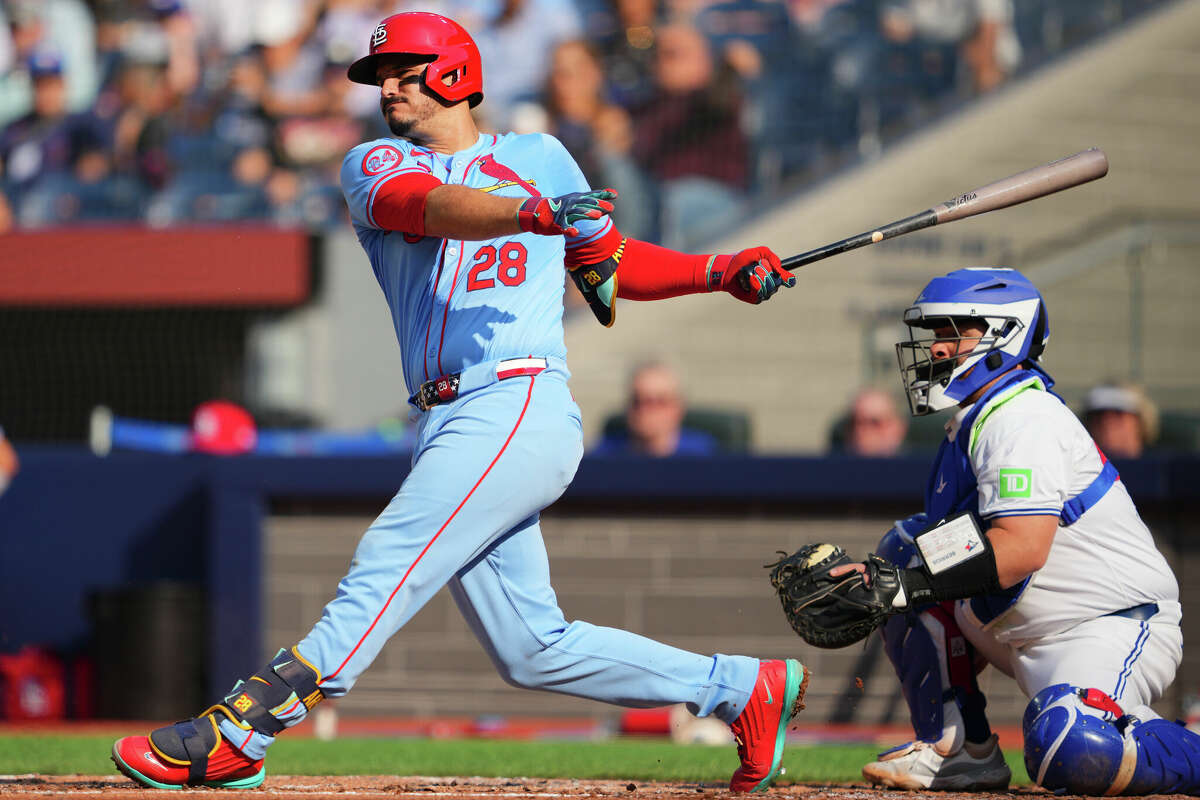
(1133, 661)
(467, 515)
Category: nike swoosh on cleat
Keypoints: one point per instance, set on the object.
(770, 699)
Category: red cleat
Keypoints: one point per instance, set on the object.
(762, 727)
(214, 762)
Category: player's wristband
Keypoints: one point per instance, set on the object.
(957, 562)
(535, 216)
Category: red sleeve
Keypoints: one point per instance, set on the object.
(592, 252)
(399, 204)
(650, 272)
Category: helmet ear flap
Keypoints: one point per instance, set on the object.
(1037, 341)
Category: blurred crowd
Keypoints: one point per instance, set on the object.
(169, 111)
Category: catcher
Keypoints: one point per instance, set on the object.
(1030, 556)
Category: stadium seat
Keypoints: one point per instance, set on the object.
(731, 429)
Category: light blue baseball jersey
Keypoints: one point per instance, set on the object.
(487, 463)
(457, 303)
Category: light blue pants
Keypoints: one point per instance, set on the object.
(467, 515)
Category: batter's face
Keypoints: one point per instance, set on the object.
(406, 104)
(956, 342)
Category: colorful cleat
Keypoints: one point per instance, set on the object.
(761, 728)
(189, 753)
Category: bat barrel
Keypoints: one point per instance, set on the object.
(1032, 183)
(1028, 185)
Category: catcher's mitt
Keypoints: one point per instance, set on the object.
(832, 611)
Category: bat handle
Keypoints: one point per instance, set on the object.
(924, 219)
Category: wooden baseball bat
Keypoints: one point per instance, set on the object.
(1028, 185)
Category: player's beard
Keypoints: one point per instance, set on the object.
(404, 127)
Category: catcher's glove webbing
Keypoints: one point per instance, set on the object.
(828, 611)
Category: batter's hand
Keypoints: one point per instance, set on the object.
(755, 274)
(556, 216)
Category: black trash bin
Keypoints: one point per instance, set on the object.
(150, 651)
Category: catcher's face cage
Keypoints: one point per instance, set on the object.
(933, 384)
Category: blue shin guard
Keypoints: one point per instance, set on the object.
(932, 658)
(1078, 741)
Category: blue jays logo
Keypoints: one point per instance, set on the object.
(380, 159)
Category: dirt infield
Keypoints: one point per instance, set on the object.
(27, 787)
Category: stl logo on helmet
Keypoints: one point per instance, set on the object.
(380, 159)
(379, 37)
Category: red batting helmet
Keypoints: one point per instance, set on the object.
(447, 43)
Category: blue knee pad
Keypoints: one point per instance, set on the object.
(1074, 747)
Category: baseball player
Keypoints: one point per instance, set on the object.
(1040, 566)
(468, 235)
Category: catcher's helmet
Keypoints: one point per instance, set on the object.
(446, 43)
(1001, 299)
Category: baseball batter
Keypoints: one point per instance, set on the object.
(468, 235)
(1040, 566)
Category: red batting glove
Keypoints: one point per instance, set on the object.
(755, 274)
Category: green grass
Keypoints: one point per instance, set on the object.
(622, 759)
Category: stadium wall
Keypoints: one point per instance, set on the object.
(670, 548)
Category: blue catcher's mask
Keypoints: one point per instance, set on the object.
(1001, 301)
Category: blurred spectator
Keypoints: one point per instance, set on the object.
(654, 418)
(624, 31)
(785, 72)
(749, 34)
(598, 133)
(689, 136)
(6, 214)
(982, 30)
(49, 139)
(874, 427)
(810, 15)
(343, 28)
(293, 57)
(241, 119)
(9, 464)
(65, 27)
(1121, 418)
(516, 47)
(141, 125)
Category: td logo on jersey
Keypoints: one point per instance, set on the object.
(380, 159)
(1016, 482)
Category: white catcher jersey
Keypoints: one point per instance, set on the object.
(1030, 454)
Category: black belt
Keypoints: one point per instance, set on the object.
(1143, 612)
(445, 389)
